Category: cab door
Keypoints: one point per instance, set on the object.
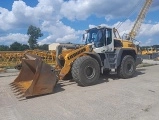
(107, 42)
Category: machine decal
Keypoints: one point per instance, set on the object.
(76, 53)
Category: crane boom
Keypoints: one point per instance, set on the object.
(140, 19)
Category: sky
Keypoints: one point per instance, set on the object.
(66, 20)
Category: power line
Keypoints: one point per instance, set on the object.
(139, 3)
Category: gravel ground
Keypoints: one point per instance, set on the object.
(136, 98)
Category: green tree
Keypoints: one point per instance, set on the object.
(43, 47)
(34, 33)
(16, 46)
(25, 47)
(4, 48)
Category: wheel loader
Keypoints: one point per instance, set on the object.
(102, 51)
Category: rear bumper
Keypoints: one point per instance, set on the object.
(138, 60)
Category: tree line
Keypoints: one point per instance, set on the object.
(21, 47)
(34, 33)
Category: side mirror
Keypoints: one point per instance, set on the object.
(84, 37)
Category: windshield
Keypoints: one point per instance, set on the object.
(94, 36)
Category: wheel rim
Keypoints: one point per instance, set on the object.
(129, 67)
(89, 72)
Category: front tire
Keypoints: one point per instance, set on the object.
(85, 71)
(127, 67)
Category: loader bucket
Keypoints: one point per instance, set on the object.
(35, 78)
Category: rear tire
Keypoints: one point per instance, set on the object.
(127, 67)
(85, 71)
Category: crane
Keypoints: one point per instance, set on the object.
(135, 29)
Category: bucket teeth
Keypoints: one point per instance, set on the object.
(18, 89)
(21, 96)
(14, 88)
(20, 93)
(12, 83)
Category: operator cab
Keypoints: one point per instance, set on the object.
(101, 39)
